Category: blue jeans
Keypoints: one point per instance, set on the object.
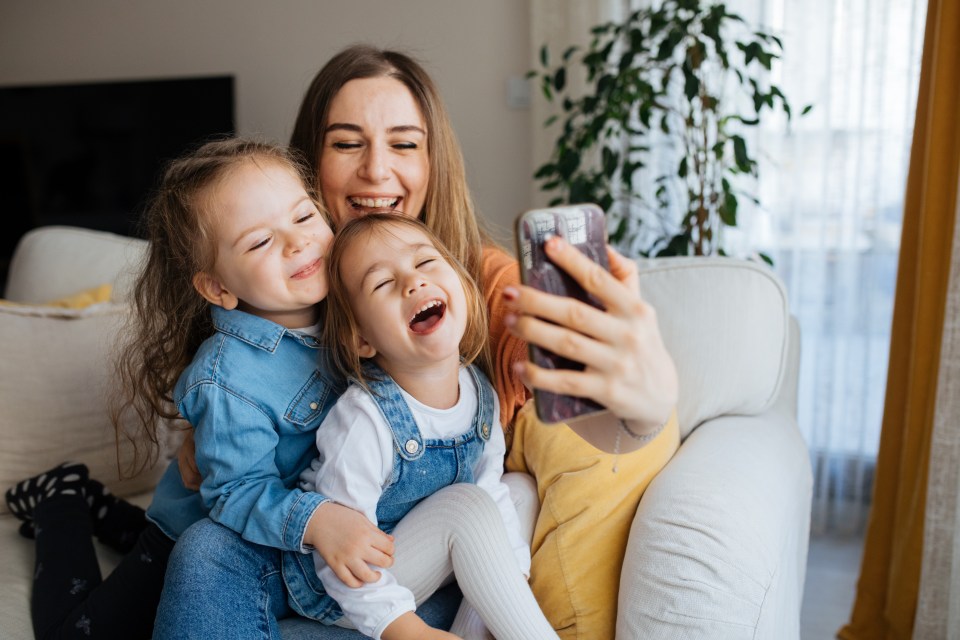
(220, 586)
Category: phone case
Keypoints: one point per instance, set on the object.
(584, 227)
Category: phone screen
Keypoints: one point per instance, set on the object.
(584, 227)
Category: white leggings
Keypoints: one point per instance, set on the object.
(459, 532)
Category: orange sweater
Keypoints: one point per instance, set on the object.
(499, 271)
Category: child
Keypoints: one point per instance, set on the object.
(404, 322)
(226, 317)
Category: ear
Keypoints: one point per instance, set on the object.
(213, 291)
(364, 348)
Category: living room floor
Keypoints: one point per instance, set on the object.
(833, 566)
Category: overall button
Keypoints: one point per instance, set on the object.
(485, 430)
(314, 405)
(411, 446)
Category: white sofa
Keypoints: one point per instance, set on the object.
(719, 543)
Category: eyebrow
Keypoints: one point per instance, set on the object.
(355, 128)
(420, 246)
(243, 234)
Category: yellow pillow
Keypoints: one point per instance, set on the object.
(585, 516)
(79, 300)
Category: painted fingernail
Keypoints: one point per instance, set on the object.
(510, 293)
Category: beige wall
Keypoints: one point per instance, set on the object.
(273, 49)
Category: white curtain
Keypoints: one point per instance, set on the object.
(831, 193)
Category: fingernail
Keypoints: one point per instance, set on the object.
(554, 244)
(510, 293)
(510, 320)
(519, 368)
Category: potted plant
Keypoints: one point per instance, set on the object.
(693, 75)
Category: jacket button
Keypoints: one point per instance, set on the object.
(485, 430)
(411, 446)
(314, 405)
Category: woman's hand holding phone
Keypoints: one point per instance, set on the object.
(627, 368)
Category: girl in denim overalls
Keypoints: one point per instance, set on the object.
(404, 322)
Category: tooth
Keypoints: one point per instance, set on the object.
(374, 203)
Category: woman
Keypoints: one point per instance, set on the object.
(373, 126)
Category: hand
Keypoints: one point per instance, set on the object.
(347, 542)
(187, 462)
(409, 626)
(628, 369)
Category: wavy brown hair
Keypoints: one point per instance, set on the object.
(340, 330)
(169, 319)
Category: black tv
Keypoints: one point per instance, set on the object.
(88, 154)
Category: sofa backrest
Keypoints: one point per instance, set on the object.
(726, 323)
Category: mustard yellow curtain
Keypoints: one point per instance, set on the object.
(890, 573)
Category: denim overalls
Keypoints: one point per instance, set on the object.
(420, 469)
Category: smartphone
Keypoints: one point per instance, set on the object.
(584, 227)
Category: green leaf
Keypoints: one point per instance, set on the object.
(569, 52)
(545, 170)
(740, 153)
(806, 110)
(765, 258)
(682, 169)
(560, 79)
(728, 210)
(549, 121)
(544, 56)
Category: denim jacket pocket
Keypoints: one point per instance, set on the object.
(311, 403)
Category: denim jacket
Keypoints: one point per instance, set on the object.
(256, 394)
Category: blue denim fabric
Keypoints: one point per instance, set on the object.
(256, 394)
(219, 586)
(420, 468)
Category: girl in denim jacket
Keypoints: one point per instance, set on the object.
(404, 323)
(225, 325)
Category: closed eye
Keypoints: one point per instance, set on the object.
(383, 283)
(305, 217)
(346, 145)
(405, 145)
(425, 262)
(260, 244)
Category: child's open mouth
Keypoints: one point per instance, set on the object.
(428, 316)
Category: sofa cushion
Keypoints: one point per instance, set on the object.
(736, 371)
(56, 371)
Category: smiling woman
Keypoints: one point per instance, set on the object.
(374, 151)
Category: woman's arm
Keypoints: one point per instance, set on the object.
(628, 369)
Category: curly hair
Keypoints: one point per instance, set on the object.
(169, 318)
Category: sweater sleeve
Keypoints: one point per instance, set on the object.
(499, 271)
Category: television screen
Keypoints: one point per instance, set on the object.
(88, 154)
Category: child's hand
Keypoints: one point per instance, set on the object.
(187, 461)
(347, 541)
(409, 626)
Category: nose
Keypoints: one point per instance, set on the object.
(413, 282)
(295, 242)
(375, 166)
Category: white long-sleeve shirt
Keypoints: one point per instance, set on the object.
(355, 464)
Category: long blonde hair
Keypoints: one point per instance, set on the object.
(169, 318)
(341, 327)
(448, 210)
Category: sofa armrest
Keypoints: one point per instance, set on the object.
(53, 262)
(718, 545)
